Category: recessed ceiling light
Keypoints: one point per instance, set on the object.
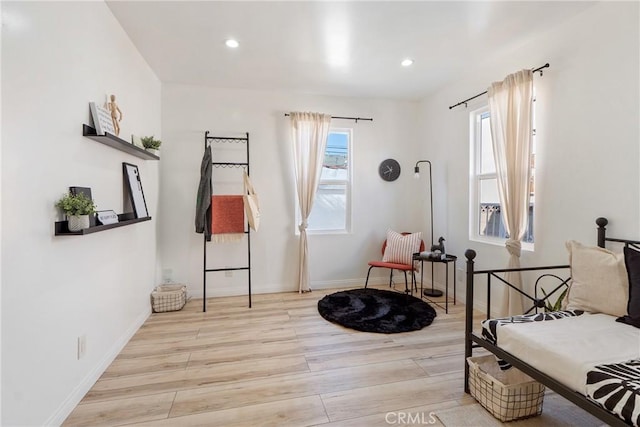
(406, 62)
(232, 43)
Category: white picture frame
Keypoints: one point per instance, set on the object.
(137, 141)
(102, 120)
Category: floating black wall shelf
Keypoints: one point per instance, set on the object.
(117, 143)
(62, 227)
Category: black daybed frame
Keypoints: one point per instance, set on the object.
(473, 340)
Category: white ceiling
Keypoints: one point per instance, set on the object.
(332, 48)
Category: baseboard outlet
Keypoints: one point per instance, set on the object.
(69, 404)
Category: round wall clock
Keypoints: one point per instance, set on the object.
(389, 170)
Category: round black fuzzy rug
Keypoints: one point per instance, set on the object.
(375, 310)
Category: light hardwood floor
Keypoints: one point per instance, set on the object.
(279, 364)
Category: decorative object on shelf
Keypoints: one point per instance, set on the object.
(137, 141)
(87, 192)
(389, 169)
(107, 217)
(136, 194)
(429, 292)
(151, 144)
(101, 119)
(77, 208)
(116, 114)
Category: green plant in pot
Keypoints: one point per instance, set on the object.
(77, 208)
(557, 305)
(151, 144)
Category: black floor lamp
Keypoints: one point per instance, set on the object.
(429, 292)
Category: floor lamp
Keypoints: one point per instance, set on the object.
(429, 292)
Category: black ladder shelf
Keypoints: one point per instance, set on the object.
(223, 139)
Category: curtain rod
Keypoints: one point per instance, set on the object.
(480, 94)
(344, 118)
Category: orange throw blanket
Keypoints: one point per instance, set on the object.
(227, 218)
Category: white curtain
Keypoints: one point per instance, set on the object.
(510, 103)
(309, 133)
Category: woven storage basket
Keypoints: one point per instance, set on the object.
(508, 395)
(168, 298)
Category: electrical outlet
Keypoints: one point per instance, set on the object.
(228, 273)
(82, 346)
(460, 274)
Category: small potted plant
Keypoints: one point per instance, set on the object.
(151, 144)
(77, 208)
(556, 306)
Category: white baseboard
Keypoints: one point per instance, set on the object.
(347, 283)
(69, 404)
(235, 290)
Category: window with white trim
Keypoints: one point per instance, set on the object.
(486, 221)
(331, 212)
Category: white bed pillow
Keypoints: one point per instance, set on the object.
(599, 282)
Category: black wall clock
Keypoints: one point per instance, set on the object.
(389, 170)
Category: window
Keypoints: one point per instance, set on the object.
(331, 212)
(486, 223)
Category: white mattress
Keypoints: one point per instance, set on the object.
(566, 349)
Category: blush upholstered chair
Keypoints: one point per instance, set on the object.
(397, 254)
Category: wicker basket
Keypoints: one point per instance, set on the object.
(168, 298)
(508, 395)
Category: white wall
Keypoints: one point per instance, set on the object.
(56, 57)
(587, 135)
(336, 260)
(1, 221)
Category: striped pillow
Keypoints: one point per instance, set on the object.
(400, 249)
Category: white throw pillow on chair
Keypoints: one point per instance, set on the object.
(400, 248)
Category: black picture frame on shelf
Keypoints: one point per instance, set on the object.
(136, 193)
(87, 192)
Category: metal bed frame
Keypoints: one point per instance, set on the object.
(473, 340)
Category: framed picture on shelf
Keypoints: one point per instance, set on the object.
(137, 141)
(102, 120)
(134, 185)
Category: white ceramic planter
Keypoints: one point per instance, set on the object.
(78, 222)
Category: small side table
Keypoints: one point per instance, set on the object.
(448, 259)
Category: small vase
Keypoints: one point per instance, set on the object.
(78, 222)
(153, 151)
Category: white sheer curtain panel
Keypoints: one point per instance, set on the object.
(309, 132)
(510, 103)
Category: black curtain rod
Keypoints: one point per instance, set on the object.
(344, 118)
(483, 93)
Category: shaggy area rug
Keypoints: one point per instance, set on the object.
(375, 310)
